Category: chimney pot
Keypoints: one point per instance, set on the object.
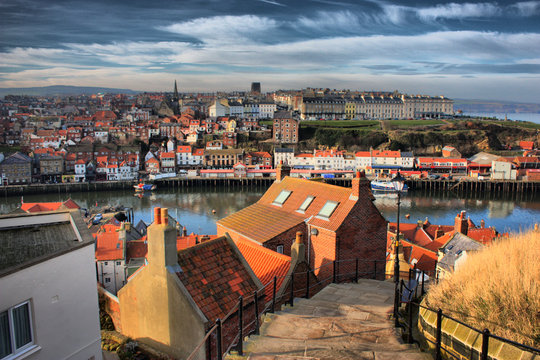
(165, 216)
(157, 215)
(299, 237)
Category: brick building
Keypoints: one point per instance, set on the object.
(338, 223)
(261, 158)
(286, 128)
(16, 169)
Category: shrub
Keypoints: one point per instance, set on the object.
(497, 288)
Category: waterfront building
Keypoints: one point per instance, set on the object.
(167, 162)
(285, 128)
(224, 158)
(258, 158)
(338, 223)
(49, 304)
(16, 169)
(283, 156)
(51, 168)
(383, 162)
(442, 165)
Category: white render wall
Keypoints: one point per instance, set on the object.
(64, 302)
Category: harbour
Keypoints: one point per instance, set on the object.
(199, 207)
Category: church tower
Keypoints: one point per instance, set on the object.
(175, 95)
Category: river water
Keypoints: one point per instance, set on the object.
(199, 209)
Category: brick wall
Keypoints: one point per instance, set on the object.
(322, 253)
(286, 239)
(363, 236)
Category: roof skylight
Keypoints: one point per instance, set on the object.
(328, 209)
(306, 203)
(282, 197)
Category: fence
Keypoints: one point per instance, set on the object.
(245, 317)
(446, 344)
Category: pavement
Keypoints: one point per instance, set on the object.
(343, 321)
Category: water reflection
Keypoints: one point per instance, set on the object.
(198, 209)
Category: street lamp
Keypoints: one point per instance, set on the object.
(398, 181)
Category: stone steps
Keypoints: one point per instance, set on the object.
(342, 321)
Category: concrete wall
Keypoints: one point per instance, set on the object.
(64, 302)
(463, 341)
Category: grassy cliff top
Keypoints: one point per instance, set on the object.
(497, 288)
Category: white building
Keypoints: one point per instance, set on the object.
(503, 170)
(49, 303)
(80, 171)
(236, 109)
(284, 155)
(267, 110)
(101, 135)
(218, 109)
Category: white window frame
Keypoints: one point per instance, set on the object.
(279, 249)
(17, 353)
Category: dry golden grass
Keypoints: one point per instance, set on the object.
(498, 289)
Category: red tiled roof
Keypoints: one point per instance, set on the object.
(108, 246)
(263, 220)
(167, 155)
(265, 263)
(49, 206)
(215, 275)
(483, 235)
(183, 242)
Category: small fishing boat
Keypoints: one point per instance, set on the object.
(378, 185)
(140, 187)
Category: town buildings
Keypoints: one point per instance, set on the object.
(49, 304)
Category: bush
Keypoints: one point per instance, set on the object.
(498, 289)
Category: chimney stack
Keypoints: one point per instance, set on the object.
(482, 224)
(162, 251)
(460, 223)
(184, 231)
(439, 232)
(360, 184)
(298, 249)
(282, 170)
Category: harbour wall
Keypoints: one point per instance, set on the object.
(459, 187)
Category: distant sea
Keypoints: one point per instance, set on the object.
(532, 117)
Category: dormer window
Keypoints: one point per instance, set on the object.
(282, 197)
(306, 203)
(328, 209)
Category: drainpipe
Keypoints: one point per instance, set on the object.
(309, 240)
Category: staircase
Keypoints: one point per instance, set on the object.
(342, 321)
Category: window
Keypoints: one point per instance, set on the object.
(328, 209)
(279, 249)
(306, 203)
(282, 197)
(118, 263)
(15, 330)
(107, 280)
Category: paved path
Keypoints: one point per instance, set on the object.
(343, 321)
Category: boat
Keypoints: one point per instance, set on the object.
(378, 185)
(144, 187)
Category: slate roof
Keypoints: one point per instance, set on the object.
(35, 241)
(216, 275)
(454, 247)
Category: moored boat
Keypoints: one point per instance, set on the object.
(378, 185)
(144, 187)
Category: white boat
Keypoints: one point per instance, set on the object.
(379, 185)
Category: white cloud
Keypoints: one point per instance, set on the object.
(527, 8)
(459, 11)
(326, 20)
(229, 29)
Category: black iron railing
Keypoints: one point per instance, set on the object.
(408, 293)
(244, 318)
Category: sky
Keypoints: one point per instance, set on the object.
(478, 50)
